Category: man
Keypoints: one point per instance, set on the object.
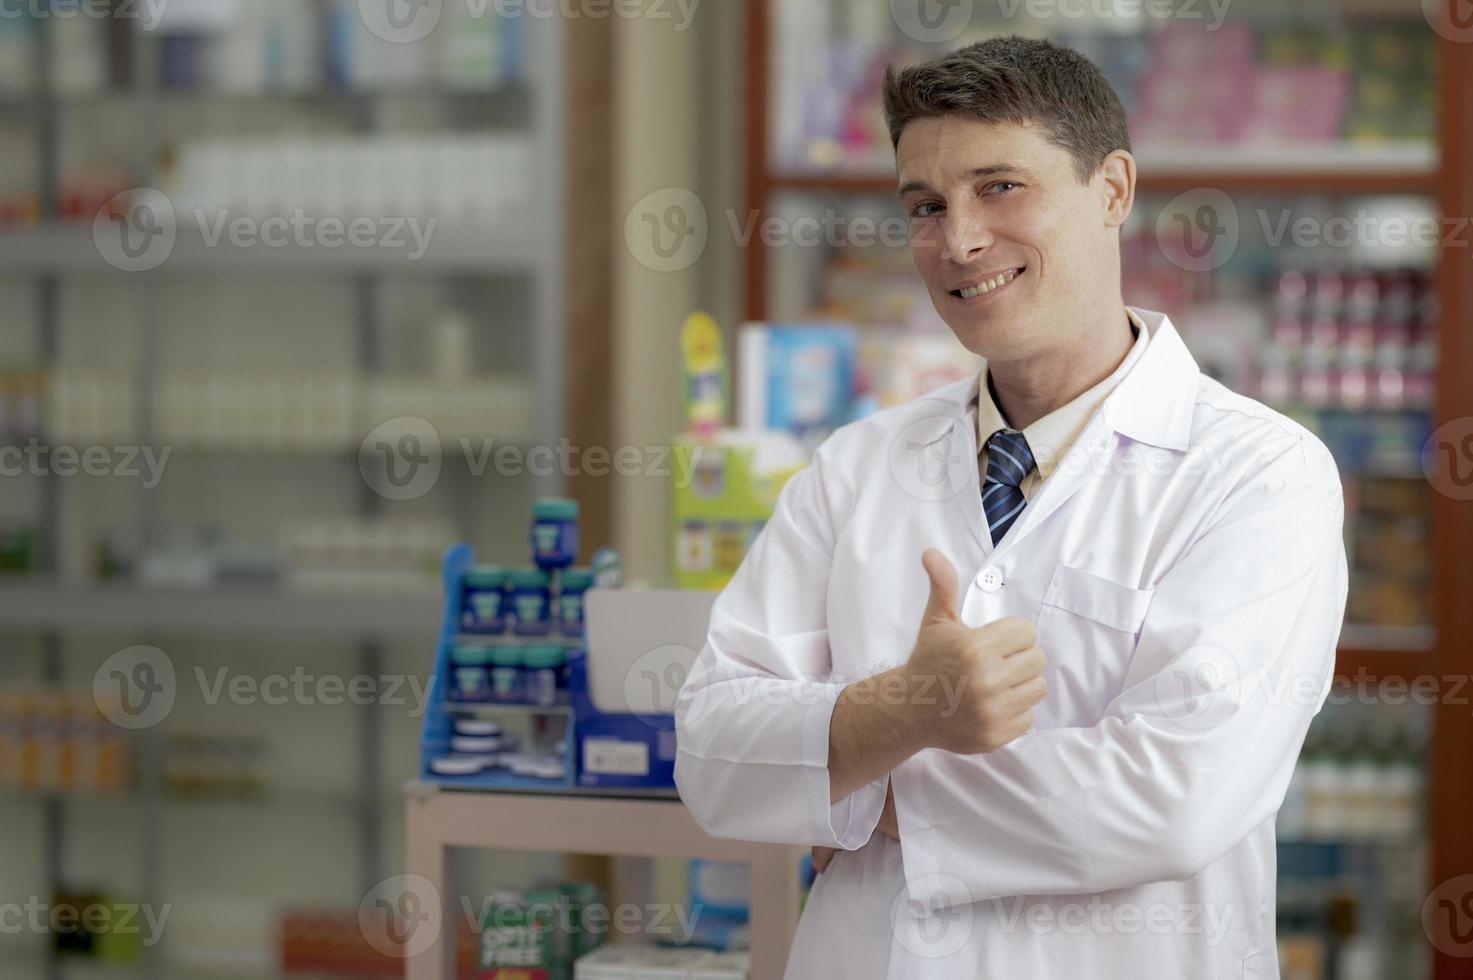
(1029, 660)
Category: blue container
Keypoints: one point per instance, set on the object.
(483, 599)
(531, 601)
(470, 674)
(544, 670)
(506, 673)
(571, 586)
(554, 532)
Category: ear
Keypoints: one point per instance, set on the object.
(1116, 178)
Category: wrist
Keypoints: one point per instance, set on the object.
(903, 700)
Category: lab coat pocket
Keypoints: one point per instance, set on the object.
(1087, 626)
(1117, 606)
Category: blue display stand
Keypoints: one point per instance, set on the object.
(441, 712)
(625, 753)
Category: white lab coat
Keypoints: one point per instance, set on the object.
(1185, 568)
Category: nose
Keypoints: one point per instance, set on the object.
(965, 233)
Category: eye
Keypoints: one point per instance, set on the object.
(925, 209)
(998, 185)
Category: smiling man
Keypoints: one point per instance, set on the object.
(1067, 758)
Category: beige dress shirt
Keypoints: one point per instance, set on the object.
(1051, 436)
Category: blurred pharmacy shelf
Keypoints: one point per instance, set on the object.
(287, 109)
(42, 606)
(62, 249)
(1387, 168)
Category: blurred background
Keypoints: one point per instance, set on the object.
(281, 279)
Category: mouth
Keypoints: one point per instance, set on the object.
(988, 285)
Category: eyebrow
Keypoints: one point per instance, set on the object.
(995, 170)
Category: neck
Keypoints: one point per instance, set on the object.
(1027, 390)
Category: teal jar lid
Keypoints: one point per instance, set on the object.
(544, 656)
(485, 576)
(506, 655)
(555, 509)
(469, 656)
(527, 578)
(577, 579)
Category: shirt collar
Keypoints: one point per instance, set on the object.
(1051, 436)
(1153, 404)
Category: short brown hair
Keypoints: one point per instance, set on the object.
(1018, 80)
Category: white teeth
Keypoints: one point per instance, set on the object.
(989, 285)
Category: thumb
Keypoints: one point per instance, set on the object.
(941, 607)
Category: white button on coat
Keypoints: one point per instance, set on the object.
(991, 580)
(1185, 568)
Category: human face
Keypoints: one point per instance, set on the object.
(1015, 251)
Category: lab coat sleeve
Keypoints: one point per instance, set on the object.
(1234, 659)
(752, 718)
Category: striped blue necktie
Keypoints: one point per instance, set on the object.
(1008, 462)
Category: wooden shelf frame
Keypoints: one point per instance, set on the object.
(438, 820)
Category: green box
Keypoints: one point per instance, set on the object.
(518, 939)
(718, 511)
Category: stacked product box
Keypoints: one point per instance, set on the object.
(637, 962)
(540, 933)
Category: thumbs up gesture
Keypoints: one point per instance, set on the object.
(987, 678)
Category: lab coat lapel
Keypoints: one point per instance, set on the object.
(1152, 404)
(938, 459)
